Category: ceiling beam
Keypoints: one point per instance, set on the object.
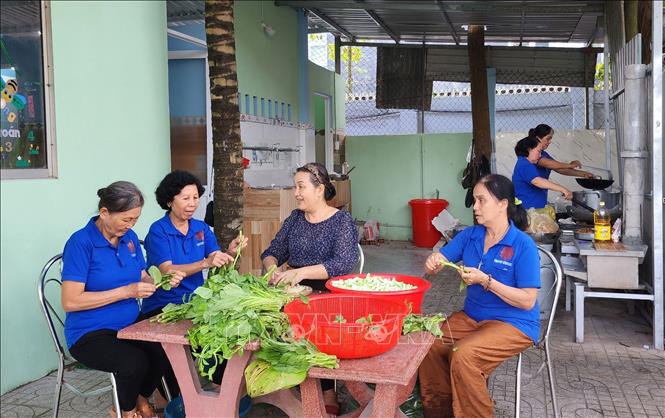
(593, 34)
(375, 17)
(318, 13)
(522, 27)
(450, 6)
(450, 23)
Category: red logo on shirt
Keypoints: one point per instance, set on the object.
(132, 248)
(200, 236)
(507, 253)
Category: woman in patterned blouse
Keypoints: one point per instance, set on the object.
(316, 242)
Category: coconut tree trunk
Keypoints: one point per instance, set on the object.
(227, 146)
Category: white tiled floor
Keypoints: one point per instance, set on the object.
(610, 375)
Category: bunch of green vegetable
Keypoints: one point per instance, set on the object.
(161, 280)
(231, 310)
(461, 269)
(429, 323)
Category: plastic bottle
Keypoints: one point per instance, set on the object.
(602, 224)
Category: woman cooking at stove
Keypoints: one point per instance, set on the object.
(530, 185)
(547, 163)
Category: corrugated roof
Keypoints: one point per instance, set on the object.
(444, 21)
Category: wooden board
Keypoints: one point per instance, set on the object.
(609, 246)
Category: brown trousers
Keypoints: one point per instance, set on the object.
(453, 381)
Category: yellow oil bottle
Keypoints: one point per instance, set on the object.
(602, 224)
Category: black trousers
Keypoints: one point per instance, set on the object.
(138, 366)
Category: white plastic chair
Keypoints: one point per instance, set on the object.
(65, 360)
(550, 295)
(361, 259)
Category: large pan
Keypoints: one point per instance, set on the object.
(594, 184)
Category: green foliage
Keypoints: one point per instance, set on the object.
(231, 310)
(429, 323)
(599, 77)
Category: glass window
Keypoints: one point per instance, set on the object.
(26, 128)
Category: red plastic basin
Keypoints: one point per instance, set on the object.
(413, 296)
(316, 322)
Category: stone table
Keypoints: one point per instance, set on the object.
(200, 403)
(393, 372)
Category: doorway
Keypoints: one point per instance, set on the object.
(323, 144)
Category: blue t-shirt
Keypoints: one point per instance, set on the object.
(165, 243)
(531, 196)
(513, 261)
(542, 171)
(90, 258)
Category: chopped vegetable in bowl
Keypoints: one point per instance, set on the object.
(373, 284)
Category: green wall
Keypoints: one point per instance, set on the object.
(267, 66)
(112, 123)
(391, 170)
(327, 82)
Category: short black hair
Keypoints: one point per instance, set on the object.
(172, 185)
(525, 145)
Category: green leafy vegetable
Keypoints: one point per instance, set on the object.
(339, 319)
(364, 319)
(161, 280)
(459, 268)
(231, 310)
(429, 323)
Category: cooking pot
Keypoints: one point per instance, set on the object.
(592, 198)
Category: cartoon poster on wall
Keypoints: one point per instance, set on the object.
(18, 147)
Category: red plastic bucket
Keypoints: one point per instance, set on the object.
(414, 297)
(422, 213)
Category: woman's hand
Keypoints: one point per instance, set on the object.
(574, 164)
(472, 275)
(567, 194)
(288, 277)
(217, 259)
(237, 244)
(176, 277)
(587, 175)
(140, 290)
(433, 263)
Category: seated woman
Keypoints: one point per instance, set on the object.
(178, 241)
(103, 275)
(547, 163)
(530, 187)
(501, 313)
(316, 242)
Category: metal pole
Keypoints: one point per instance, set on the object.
(657, 171)
(608, 143)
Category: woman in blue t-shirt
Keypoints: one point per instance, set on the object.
(103, 275)
(178, 241)
(501, 313)
(530, 187)
(547, 163)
